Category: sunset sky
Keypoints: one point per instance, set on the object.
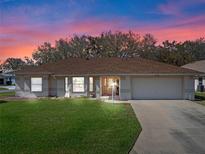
(25, 24)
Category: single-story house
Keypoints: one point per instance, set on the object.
(7, 77)
(199, 83)
(125, 78)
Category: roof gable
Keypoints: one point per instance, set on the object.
(197, 65)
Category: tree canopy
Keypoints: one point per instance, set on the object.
(118, 44)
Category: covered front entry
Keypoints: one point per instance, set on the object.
(109, 82)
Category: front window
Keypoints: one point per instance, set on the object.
(91, 84)
(36, 84)
(78, 84)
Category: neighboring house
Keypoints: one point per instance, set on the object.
(199, 83)
(7, 77)
(131, 78)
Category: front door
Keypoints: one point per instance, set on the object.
(108, 83)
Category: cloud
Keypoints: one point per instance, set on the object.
(93, 26)
(179, 34)
(176, 7)
(169, 9)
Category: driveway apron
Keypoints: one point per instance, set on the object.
(170, 127)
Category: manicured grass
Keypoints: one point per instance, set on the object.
(202, 103)
(2, 88)
(7, 94)
(200, 97)
(73, 126)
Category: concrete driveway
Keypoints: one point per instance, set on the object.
(170, 127)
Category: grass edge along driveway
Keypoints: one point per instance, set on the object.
(67, 126)
(200, 98)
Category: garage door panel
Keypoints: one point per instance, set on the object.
(156, 88)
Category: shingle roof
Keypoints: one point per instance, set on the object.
(107, 66)
(197, 65)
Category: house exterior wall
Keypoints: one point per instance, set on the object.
(23, 87)
(55, 86)
(125, 88)
(60, 87)
(188, 90)
(19, 86)
(52, 86)
(61, 92)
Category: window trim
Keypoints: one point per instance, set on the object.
(83, 84)
(37, 84)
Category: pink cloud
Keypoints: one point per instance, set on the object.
(175, 7)
(93, 27)
(179, 34)
(169, 9)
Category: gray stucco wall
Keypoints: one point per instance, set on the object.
(19, 86)
(61, 92)
(188, 85)
(60, 86)
(23, 87)
(125, 88)
(55, 86)
(51, 86)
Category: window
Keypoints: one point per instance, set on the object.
(36, 84)
(66, 84)
(78, 84)
(91, 84)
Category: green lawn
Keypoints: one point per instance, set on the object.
(7, 94)
(73, 126)
(200, 97)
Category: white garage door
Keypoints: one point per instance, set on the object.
(156, 88)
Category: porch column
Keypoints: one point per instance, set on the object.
(45, 86)
(97, 87)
